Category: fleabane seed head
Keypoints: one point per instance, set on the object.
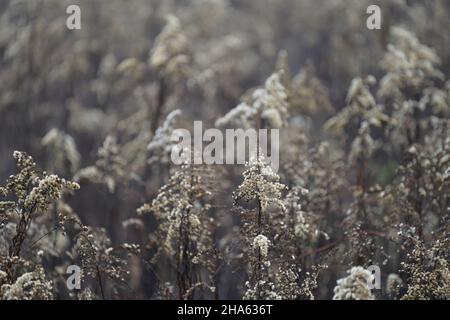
(355, 286)
(261, 183)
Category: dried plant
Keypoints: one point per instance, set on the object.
(267, 105)
(170, 54)
(261, 185)
(354, 286)
(29, 195)
(183, 241)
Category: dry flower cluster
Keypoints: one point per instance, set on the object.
(364, 175)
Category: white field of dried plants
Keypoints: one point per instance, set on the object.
(85, 142)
